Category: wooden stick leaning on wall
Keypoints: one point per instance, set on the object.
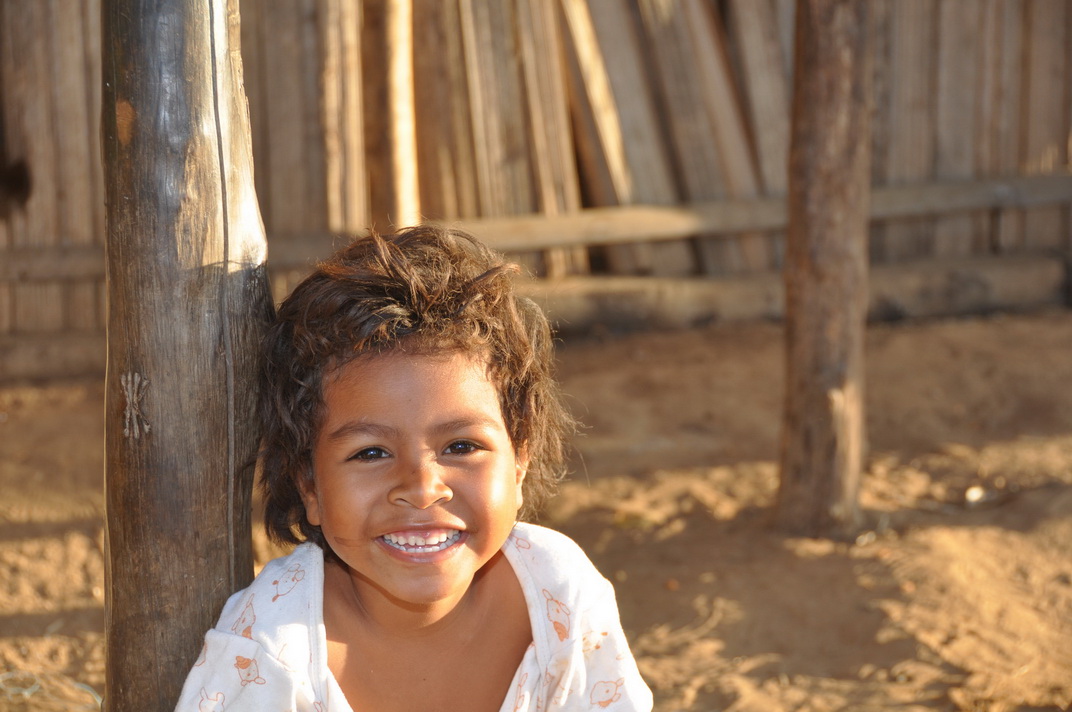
(554, 166)
(725, 108)
(619, 143)
(708, 137)
(188, 300)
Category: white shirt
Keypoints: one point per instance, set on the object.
(269, 650)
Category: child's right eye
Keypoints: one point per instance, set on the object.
(368, 454)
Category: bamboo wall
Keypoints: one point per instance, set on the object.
(383, 111)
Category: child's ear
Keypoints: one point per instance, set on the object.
(521, 468)
(521, 463)
(307, 487)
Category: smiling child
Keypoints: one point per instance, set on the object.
(411, 420)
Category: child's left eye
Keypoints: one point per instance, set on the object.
(461, 447)
(369, 453)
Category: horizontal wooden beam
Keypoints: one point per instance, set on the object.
(931, 288)
(648, 223)
(605, 226)
(52, 263)
(41, 356)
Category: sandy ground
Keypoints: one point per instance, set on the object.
(958, 596)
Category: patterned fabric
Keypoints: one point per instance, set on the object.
(269, 651)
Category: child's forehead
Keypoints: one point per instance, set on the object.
(459, 359)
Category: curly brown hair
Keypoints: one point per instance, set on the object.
(426, 289)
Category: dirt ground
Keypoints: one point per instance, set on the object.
(958, 595)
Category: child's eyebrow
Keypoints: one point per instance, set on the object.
(462, 423)
(357, 427)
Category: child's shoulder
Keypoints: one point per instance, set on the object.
(533, 537)
(551, 558)
(282, 589)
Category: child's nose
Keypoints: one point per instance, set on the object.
(421, 485)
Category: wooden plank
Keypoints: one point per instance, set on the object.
(725, 108)
(445, 151)
(681, 96)
(254, 67)
(406, 209)
(74, 147)
(7, 308)
(960, 53)
(499, 111)
(1000, 109)
(390, 134)
(36, 357)
(346, 194)
(29, 130)
(38, 307)
(910, 151)
(621, 149)
(766, 87)
(558, 187)
(880, 115)
(785, 15)
(295, 194)
(375, 92)
(554, 168)
(693, 140)
(907, 290)
(494, 79)
(91, 73)
(28, 121)
(70, 135)
(1046, 102)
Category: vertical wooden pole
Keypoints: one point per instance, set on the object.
(826, 269)
(188, 299)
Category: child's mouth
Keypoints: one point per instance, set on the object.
(422, 542)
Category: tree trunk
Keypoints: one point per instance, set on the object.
(826, 270)
(188, 300)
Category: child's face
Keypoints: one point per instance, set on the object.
(417, 484)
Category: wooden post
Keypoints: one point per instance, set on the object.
(188, 299)
(826, 269)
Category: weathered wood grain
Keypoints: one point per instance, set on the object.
(341, 109)
(1000, 110)
(1045, 105)
(725, 106)
(188, 302)
(447, 175)
(960, 53)
(826, 269)
(910, 151)
(621, 149)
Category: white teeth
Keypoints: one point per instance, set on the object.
(422, 544)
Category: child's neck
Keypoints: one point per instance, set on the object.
(364, 603)
(391, 657)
